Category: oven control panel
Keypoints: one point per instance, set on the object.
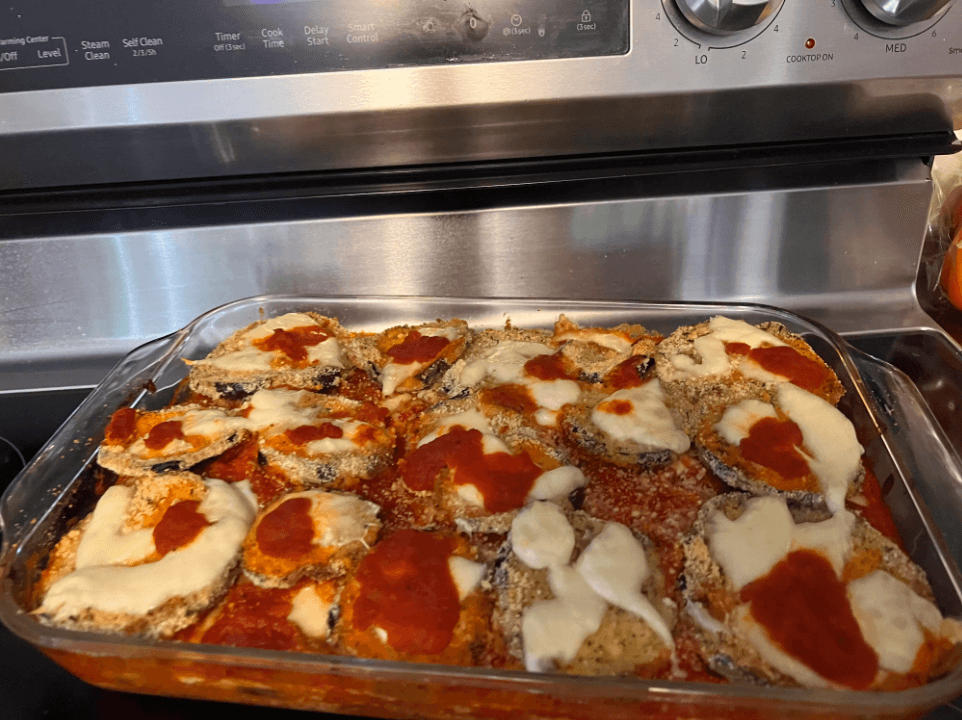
(83, 43)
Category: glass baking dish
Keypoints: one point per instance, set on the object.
(905, 448)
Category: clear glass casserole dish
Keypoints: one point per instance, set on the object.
(920, 476)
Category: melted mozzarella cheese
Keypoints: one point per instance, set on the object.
(103, 542)
(504, 363)
(541, 536)
(554, 630)
(466, 574)
(829, 438)
(737, 421)
(278, 409)
(892, 618)
(251, 359)
(553, 394)
(339, 520)
(604, 338)
(558, 483)
(757, 636)
(469, 420)
(193, 568)
(750, 546)
(348, 442)
(648, 421)
(210, 423)
(713, 358)
(393, 374)
(310, 612)
(615, 566)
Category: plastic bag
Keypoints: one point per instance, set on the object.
(945, 231)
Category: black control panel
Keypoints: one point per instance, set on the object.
(84, 43)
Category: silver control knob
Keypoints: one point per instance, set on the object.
(904, 12)
(725, 17)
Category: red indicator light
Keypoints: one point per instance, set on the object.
(810, 43)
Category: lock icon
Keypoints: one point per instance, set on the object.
(586, 17)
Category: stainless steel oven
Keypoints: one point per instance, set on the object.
(160, 159)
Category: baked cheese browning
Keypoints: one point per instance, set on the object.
(417, 596)
(138, 442)
(300, 350)
(788, 440)
(795, 595)
(316, 533)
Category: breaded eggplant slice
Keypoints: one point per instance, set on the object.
(595, 352)
(299, 350)
(414, 357)
(474, 471)
(699, 363)
(581, 596)
(494, 357)
(299, 618)
(631, 427)
(313, 533)
(139, 442)
(742, 548)
(153, 580)
(519, 376)
(784, 440)
(320, 439)
(420, 597)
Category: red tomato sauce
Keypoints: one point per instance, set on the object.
(417, 348)
(617, 407)
(773, 443)
(294, 342)
(513, 397)
(547, 367)
(242, 462)
(504, 480)
(287, 531)
(255, 617)
(406, 589)
(803, 606)
(875, 511)
(122, 428)
(787, 362)
(309, 433)
(180, 526)
(626, 374)
(162, 434)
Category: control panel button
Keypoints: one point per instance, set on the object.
(32, 51)
(904, 12)
(473, 26)
(726, 17)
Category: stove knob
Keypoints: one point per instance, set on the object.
(726, 17)
(904, 12)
